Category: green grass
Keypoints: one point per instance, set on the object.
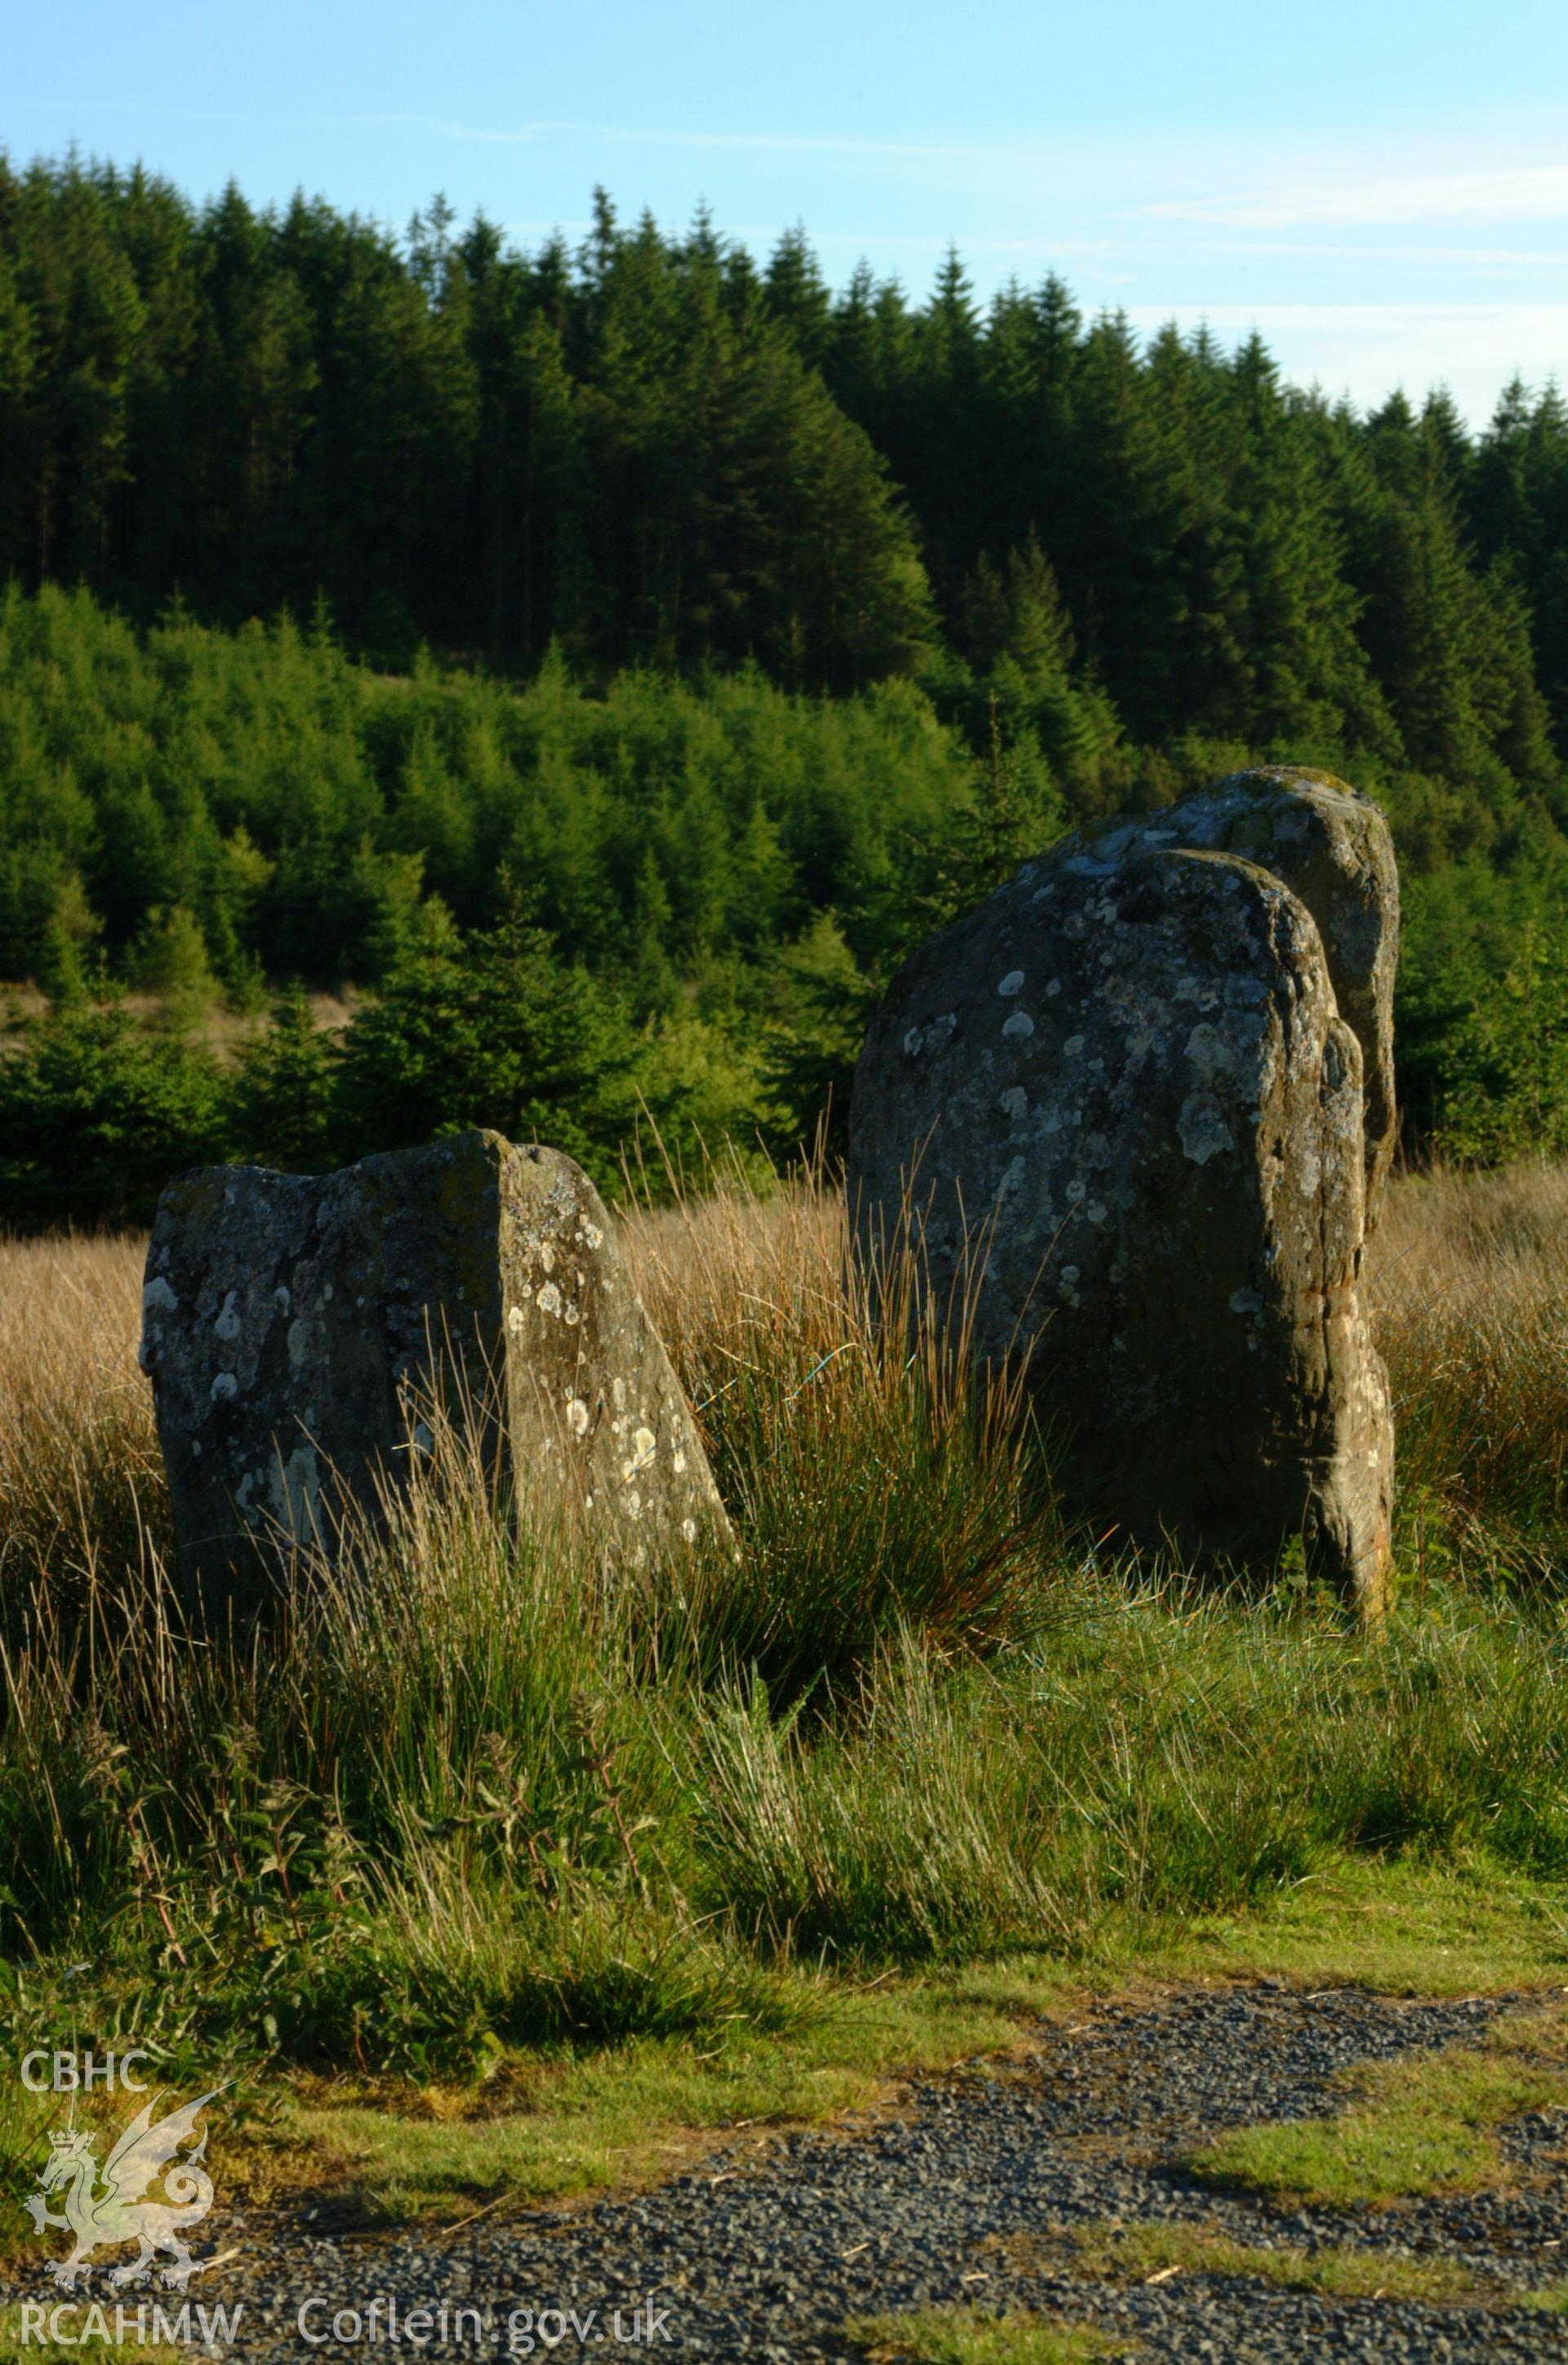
(663, 1900)
(15, 2349)
(537, 2128)
(1147, 2253)
(537, 2124)
(1405, 1924)
(486, 1881)
(1425, 2124)
(22, 2342)
(952, 2336)
(475, 1830)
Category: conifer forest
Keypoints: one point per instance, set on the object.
(593, 668)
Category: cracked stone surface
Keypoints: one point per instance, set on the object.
(298, 1328)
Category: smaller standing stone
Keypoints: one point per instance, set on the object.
(294, 1324)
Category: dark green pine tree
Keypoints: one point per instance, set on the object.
(1519, 510)
(284, 1111)
(491, 1029)
(22, 426)
(1115, 535)
(1452, 658)
(797, 295)
(1293, 676)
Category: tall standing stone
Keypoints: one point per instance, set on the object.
(294, 1325)
(1125, 1115)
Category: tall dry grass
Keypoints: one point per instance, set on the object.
(877, 1484)
(873, 1485)
(81, 1492)
(1467, 1280)
(1468, 1284)
(470, 1799)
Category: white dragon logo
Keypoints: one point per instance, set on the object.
(122, 2212)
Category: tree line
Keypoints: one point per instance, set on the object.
(653, 450)
(371, 597)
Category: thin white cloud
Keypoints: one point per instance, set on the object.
(1517, 193)
(536, 134)
(527, 134)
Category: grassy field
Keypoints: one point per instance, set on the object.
(487, 1881)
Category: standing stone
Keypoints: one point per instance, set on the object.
(1331, 846)
(1125, 1115)
(294, 1325)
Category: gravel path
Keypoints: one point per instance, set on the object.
(969, 2194)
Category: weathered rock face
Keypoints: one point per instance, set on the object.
(1122, 1099)
(292, 1324)
(1332, 848)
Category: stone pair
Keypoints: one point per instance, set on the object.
(1134, 1117)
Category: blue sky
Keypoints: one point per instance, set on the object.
(1381, 187)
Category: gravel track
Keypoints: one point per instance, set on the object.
(971, 2193)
